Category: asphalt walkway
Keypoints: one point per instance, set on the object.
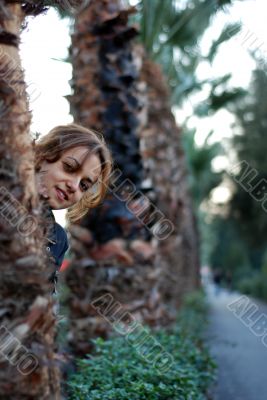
(239, 352)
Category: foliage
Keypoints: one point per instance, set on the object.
(215, 101)
(250, 145)
(171, 32)
(117, 371)
(229, 252)
(255, 282)
(239, 234)
(255, 286)
(201, 177)
(202, 180)
(175, 25)
(208, 239)
(192, 316)
(232, 255)
(251, 117)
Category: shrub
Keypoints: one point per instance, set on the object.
(118, 371)
(255, 286)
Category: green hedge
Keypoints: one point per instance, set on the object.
(117, 371)
(255, 286)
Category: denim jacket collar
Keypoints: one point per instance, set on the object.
(49, 216)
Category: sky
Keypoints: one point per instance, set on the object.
(44, 42)
(233, 57)
(46, 39)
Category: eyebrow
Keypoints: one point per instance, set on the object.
(74, 160)
(79, 165)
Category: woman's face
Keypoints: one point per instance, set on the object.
(64, 182)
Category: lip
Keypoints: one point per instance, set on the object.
(61, 194)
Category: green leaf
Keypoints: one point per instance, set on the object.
(227, 33)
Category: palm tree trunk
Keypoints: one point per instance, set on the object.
(27, 363)
(106, 96)
(110, 95)
(178, 255)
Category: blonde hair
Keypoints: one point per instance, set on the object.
(51, 147)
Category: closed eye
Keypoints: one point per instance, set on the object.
(68, 167)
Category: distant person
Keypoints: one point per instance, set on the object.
(217, 279)
(229, 279)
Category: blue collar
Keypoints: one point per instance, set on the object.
(52, 238)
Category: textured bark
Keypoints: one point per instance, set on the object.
(164, 159)
(133, 289)
(26, 316)
(106, 97)
(119, 255)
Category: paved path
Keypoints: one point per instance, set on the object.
(240, 354)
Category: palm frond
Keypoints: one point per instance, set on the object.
(221, 81)
(199, 158)
(219, 101)
(228, 33)
(187, 25)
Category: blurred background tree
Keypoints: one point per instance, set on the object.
(234, 241)
(246, 216)
(172, 35)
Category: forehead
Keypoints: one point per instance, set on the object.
(90, 162)
(79, 152)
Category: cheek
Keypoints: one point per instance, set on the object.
(50, 175)
(78, 197)
(50, 178)
(54, 175)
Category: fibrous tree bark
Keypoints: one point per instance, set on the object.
(118, 255)
(28, 368)
(114, 252)
(165, 165)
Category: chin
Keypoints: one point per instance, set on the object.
(55, 206)
(59, 208)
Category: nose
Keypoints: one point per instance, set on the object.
(73, 184)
